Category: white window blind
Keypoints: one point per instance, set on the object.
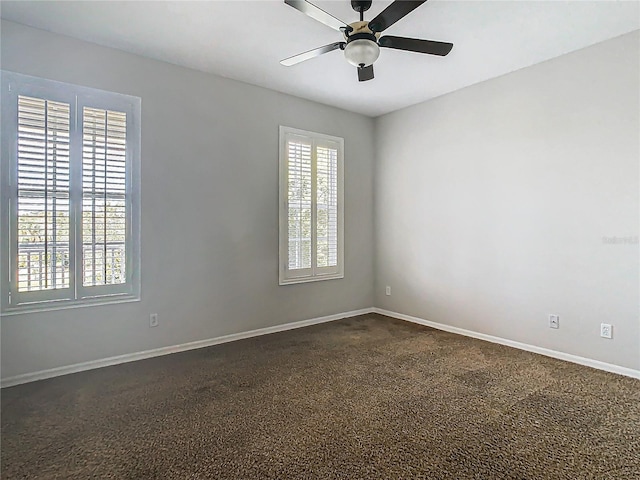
(43, 194)
(311, 206)
(327, 206)
(70, 180)
(104, 195)
(299, 204)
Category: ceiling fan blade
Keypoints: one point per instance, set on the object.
(365, 73)
(316, 52)
(317, 13)
(416, 45)
(393, 13)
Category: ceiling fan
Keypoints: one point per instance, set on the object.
(363, 40)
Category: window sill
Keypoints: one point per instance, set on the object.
(318, 278)
(65, 305)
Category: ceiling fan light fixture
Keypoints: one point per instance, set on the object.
(362, 52)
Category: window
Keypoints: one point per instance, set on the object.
(311, 213)
(70, 195)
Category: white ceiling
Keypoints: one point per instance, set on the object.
(245, 40)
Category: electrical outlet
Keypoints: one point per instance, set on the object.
(153, 320)
(554, 321)
(606, 330)
(387, 290)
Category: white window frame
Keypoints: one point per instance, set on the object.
(313, 274)
(12, 301)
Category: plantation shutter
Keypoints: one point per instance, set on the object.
(327, 207)
(310, 236)
(299, 205)
(70, 177)
(43, 175)
(104, 197)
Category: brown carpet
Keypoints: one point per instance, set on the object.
(362, 398)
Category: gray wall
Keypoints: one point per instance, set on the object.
(209, 208)
(492, 204)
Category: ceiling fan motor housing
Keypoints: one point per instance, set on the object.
(361, 5)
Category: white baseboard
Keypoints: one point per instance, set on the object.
(132, 357)
(608, 367)
(156, 352)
